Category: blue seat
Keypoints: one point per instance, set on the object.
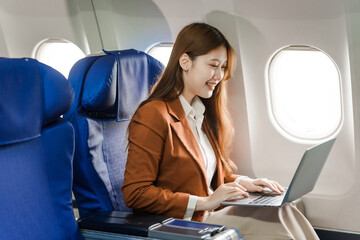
(36, 152)
(108, 88)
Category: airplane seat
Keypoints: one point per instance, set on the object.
(108, 89)
(36, 152)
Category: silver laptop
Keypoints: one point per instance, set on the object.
(303, 182)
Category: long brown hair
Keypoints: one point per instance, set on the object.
(198, 39)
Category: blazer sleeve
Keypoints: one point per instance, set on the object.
(147, 133)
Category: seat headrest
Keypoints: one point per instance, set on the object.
(32, 95)
(116, 83)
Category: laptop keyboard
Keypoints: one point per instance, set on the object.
(265, 200)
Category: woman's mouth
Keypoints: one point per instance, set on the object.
(211, 85)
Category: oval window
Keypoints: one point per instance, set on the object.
(58, 53)
(305, 93)
(161, 52)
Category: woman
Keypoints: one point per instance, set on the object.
(179, 139)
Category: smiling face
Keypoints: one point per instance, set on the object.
(201, 75)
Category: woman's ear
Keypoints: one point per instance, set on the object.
(185, 62)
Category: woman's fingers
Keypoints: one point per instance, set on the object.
(257, 185)
(232, 189)
(233, 195)
(238, 185)
(274, 186)
(279, 186)
(235, 188)
(222, 193)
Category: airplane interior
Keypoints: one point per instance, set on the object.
(66, 100)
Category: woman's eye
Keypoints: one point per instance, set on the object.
(213, 66)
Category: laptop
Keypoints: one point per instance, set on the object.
(303, 182)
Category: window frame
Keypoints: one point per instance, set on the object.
(159, 44)
(271, 102)
(36, 50)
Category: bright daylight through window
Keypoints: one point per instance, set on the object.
(59, 54)
(161, 52)
(305, 93)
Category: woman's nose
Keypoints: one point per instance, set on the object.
(219, 74)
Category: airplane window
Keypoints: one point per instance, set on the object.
(58, 53)
(305, 93)
(161, 52)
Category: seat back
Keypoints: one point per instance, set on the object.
(108, 89)
(36, 152)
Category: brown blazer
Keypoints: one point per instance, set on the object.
(165, 164)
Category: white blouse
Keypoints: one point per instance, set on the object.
(195, 116)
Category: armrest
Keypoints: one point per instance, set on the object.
(145, 226)
(121, 222)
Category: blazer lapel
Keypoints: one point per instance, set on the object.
(184, 132)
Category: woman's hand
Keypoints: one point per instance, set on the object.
(222, 193)
(257, 185)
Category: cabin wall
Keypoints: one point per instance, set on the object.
(260, 33)
(123, 24)
(256, 34)
(351, 215)
(23, 24)
(256, 30)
